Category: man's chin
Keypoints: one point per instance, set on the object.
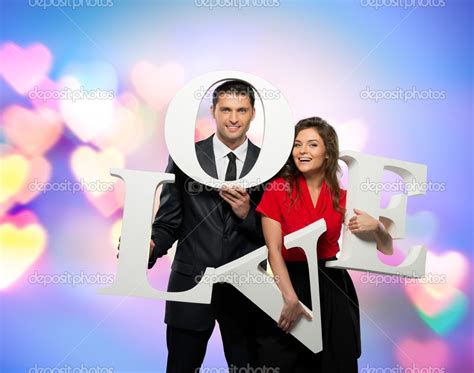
(232, 137)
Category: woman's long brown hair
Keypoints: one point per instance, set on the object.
(331, 166)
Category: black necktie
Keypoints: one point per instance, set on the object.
(231, 173)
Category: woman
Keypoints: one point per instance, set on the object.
(307, 190)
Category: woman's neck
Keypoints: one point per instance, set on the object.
(314, 180)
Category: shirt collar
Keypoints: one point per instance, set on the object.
(221, 150)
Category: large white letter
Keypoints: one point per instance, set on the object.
(181, 119)
(131, 277)
(359, 253)
(242, 272)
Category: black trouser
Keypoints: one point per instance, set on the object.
(235, 315)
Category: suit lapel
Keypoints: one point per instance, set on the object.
(250, 159)
(207, 160)
(205, 156)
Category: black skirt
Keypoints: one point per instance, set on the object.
(340, 323)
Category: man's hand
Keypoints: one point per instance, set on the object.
(152, 246)
(238, 199)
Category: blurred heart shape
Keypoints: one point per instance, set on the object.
(128, 131)
(15, 169)
(46, 94)
(19, 248)
(436, 292)
(92, 169)
(23, 68)
(450, 317)
(157, 84)
(32, 132)
(38, 172)
(109, 202)
(86, 116)
(419, 355)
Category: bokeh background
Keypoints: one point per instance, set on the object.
(394, 78)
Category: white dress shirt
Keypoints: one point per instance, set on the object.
(222, 161)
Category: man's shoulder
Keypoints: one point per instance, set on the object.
(201, 144)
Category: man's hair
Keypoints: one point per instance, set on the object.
(234, 87)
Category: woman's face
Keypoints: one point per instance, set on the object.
(309, 151)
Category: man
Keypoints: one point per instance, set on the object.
(213, 227)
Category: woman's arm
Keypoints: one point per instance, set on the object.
(363, 222)
(292, 309)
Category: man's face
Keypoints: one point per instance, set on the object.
(233, 113)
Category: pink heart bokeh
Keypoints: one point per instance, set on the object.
(38, 173)
(20, 247)
(32, 132)
(415, 354)
(157, 84)
(86, 117)
(444, 275)
(92, 169)
(23, 68)
(128, 131)
(46, 95)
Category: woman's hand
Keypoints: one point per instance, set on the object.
(363, 222)
(291, 313)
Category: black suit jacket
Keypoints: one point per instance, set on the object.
(208, 234)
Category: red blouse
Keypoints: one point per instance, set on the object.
(275, 204)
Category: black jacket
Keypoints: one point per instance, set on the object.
(209, 234)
